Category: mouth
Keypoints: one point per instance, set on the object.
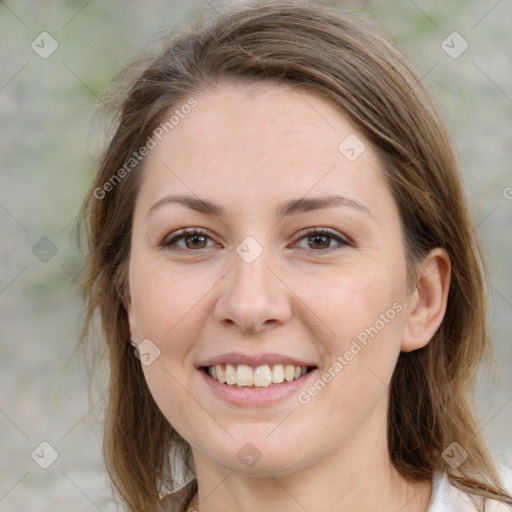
(263, 376)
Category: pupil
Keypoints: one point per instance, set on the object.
(321, 240)
(196, 239)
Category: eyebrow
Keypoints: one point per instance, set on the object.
(291, 207)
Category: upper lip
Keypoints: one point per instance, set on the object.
(236, 358)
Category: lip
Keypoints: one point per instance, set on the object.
(255, 360)
(254, 396)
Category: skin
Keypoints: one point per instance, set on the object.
(251, 149)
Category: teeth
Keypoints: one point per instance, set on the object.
(230, 374)
(277, 373)
(244, 376)
(289, 372)
(262, 376)
(221, 374)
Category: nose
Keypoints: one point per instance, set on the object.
(253, 297)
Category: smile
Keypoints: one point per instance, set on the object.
(263, 376)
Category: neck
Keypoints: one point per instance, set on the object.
(358, 477)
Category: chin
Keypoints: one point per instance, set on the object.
(276, 465)
(256, 456)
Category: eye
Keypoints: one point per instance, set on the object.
(319, 240)
(184, 239)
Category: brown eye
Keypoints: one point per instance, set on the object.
(195, 241)
(187, 239)
(322, 240)
(319, 241)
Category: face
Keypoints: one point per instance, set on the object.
(282, 271)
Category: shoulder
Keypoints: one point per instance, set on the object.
(178, 500)
(448, 498)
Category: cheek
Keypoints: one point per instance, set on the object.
(168, 388)
(367, 319)
(362, 314)
(353, 299)
(165, 299)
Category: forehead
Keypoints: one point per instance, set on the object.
(256, 145)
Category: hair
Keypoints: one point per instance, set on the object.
(344, 60)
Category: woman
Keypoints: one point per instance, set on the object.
(278, 227)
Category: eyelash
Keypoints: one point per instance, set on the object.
(167, 243)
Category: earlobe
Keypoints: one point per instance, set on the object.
(427, 303)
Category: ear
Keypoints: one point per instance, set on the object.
(427, 302)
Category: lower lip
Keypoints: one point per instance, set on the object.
(255, 396)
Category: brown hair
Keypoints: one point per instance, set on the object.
(328, 53)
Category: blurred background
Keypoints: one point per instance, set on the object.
(57, 57)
